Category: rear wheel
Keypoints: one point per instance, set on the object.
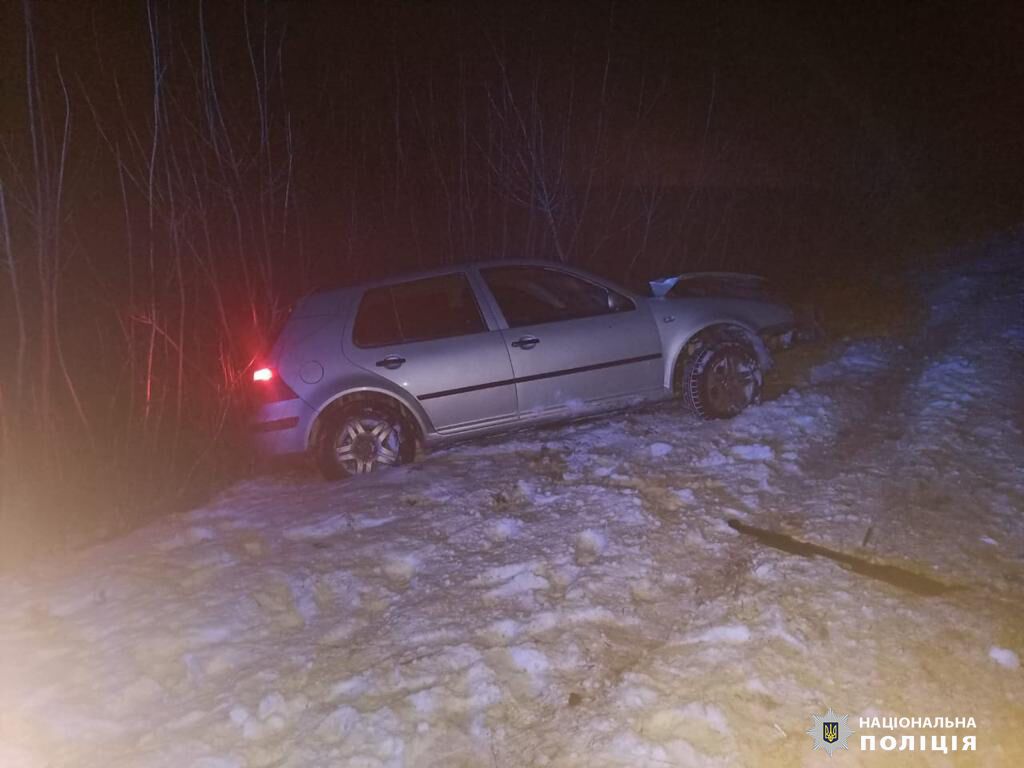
(722, 379)
(363, 438)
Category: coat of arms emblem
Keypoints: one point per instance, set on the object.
(830, 732)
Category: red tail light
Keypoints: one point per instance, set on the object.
(269, 387)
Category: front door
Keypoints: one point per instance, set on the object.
(573, 341)
(429, 337)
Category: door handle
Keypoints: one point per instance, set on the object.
(526, 342)
(391, 362)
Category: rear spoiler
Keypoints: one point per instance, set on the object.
(662, 286)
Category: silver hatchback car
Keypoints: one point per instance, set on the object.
(361, 376)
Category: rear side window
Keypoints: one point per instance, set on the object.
(420, 310)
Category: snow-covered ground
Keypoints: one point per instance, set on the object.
(575, 596)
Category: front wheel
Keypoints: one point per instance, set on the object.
(722, 380)
(362, 439)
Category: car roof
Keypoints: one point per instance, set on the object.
(326, 301)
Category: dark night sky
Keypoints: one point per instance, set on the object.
(950, 74)
(947, 75)
(926, 98)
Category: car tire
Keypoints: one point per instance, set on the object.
(722, 379)
(362, 438)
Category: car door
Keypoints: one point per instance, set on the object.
(429, 337)
(573, 340)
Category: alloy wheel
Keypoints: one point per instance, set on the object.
(367, 443)
(731, 383)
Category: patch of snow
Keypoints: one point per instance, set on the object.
(590, 543)
(338, 724)
(726, 633)
(335, 524)
(753, 452)
(400, 567)
(352, 688)
(1004, 657)
(504, 529)
(685, 495)
(503, 631)
(218, 762)
(713, 458)
(529, 660)
(708, 713)
(660, 449)
(512, 580)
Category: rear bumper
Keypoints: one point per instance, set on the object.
(280, 429)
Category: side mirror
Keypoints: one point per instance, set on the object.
(617, 303)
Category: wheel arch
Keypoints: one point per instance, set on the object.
(696, 342)
(367, 395)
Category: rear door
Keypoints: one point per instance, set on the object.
(428, 336)
(573, 340)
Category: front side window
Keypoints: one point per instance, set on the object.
(535, 295)
(419, 310)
